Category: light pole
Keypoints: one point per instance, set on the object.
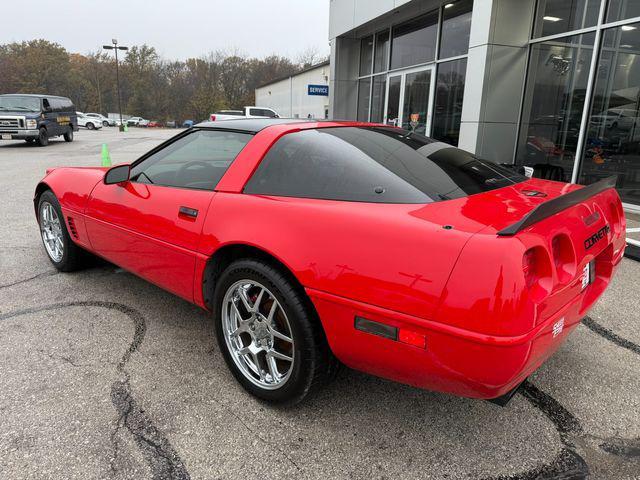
(116, 48)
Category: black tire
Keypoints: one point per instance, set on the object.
(43, 137)
(313, 362)
(73, 257)
(90, 126)
(105, 123)
(68, 136)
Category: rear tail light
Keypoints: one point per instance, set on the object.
(564, 258)
(212, 118)
(616, 224)
(529, 267)
(536, 267)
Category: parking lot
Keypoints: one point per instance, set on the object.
(106, 376)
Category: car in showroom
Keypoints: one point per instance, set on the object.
(319, 243)
(90, 123)
(105, 121)
(37, 118)
(246, 112)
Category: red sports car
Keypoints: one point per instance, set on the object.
(314, 243)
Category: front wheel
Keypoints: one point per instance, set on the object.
(269, 334)
(65, 255)
(105, 123)
(43, 137)
(90, 126)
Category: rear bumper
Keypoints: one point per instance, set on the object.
(455, 360)
(19, 134)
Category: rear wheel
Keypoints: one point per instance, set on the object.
(68, 136)
(90, 126)
(268, 335)
(43, 137)
(65, 255)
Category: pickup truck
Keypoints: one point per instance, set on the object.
(247, 112)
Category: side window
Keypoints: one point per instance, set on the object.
(56, 104)
(198, 160)
(46, 105)
(269, 113)
(258, 112)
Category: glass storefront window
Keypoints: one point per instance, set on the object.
(364, 94)
(561, 16)
(377, 98)
(366, 55)
(381, 54)
(456, 28)
(553, 105)
(613, 139)
(622, 10)
(414, 42)
(450, 81)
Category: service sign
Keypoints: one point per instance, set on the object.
(319, 90)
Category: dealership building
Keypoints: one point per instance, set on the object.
(303, 95)
(552, 84)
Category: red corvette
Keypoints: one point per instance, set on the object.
(315, 243)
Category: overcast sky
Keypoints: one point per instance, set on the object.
(177, 28)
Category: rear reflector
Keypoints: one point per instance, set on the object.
(389, 332)
(412, 338)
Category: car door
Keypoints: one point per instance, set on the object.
(51, 108)
(151, 225)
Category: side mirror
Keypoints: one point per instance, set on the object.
(117, 174)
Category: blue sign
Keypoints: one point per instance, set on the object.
(320, 90)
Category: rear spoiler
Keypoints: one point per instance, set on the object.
(545, 210)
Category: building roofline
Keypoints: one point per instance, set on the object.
(304, 70)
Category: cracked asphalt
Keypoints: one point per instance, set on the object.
(106, 376)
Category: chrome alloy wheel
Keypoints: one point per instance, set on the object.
(257, 333)
(51, 230)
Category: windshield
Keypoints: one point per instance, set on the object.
(19, 104)
(381, 165)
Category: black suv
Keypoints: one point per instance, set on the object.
(37, 118)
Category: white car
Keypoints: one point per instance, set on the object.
(106, 122)
(135, 121)
(87, 122)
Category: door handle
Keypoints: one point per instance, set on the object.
(188, 212)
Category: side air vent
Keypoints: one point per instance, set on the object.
(72, 227)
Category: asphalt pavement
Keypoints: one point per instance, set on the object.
(103, 375)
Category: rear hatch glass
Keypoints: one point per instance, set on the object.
(374, 164)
